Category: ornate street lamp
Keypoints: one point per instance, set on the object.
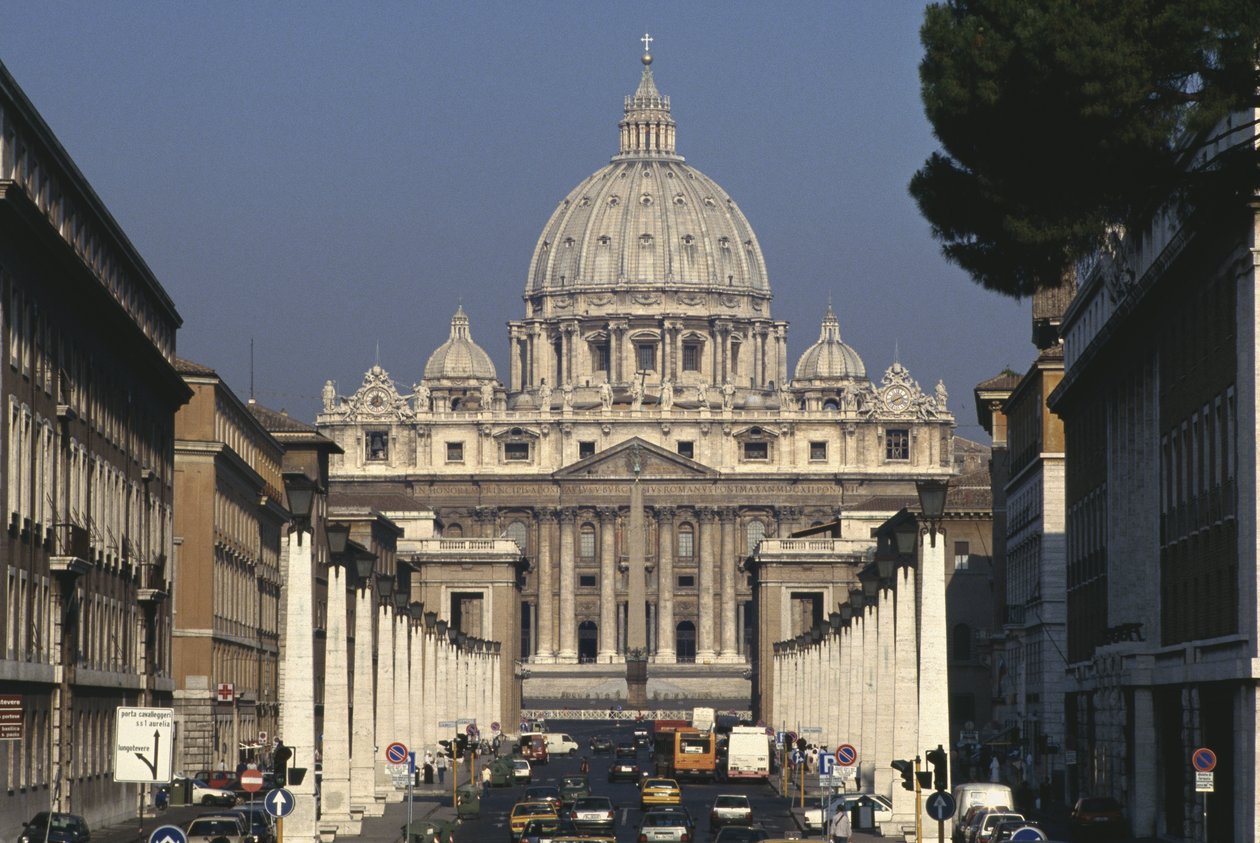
(815, 634)
(430, 620)
(932, 502)
(869, 577)
(400, 602)
(300, 490)
(452, 635)
(886, 564)
(497, 646)
(857, 600)
(846, 613)
(416, 608)
(364, 565)
(906, 531)
(338, 534)
(441, 629)
(835, 619)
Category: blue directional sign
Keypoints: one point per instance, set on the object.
(168, 834)
(1028, 832)
(826, 763)
(940, 805)
(279, 802)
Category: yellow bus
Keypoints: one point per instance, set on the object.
(695, 754)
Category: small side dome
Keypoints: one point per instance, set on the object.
(829, 358)
(459, 358)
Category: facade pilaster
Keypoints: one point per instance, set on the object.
(335, 786)
(546, 651)
(607, 585)
(708, 547)
(665, 652)
(363, 731)
(780, 353)
(568, 585)
(729, 648)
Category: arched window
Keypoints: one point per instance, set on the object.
(686, 541)
(519, 533)
(453, 531)
(755, 531)
(831, 405)
(962, 643)
(586, 542)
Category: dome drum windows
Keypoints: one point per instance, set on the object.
(645, 240)
(688, 240)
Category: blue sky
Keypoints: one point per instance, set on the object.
(326, 177)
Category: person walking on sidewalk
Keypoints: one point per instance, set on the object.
(485, 781)
(441, 767)
(841, 826)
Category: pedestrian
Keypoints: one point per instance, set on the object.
(161, 799)
(995, 769)
(441, 767)
(485, 781)
(841, 826)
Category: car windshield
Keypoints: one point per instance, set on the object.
(60, 822)
(573, 781)
(214, 827)
(593, 803)
(662, 820)
(523, 810)
(731, 802)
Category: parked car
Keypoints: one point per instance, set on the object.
(642, 738)
(216, 828)
(1098, 816)
(601, 744)
(593, 813)
(257, 824)
(623, 771)
(729, 809)
(1007, 828)
(522, 773)
(56, 827)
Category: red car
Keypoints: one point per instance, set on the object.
(1098, 816)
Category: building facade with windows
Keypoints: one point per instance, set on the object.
(89, 392)
(229, 515)
(647, 349)
(1160, 408)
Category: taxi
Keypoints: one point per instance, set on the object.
(659, 792)
(523, 812)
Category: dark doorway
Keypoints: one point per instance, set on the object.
(685, 641)
(588, 642)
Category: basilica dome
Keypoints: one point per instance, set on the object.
(829, 358)
(647, 218)
(459, 358)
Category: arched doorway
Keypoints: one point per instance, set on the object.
(588, 642)
(685, 641)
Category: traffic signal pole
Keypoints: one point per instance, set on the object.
(918, 804)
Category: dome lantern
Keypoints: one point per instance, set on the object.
(647, 129)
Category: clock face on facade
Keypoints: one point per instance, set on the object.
(377, 400)
(897, 398)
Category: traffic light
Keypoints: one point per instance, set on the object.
(925, 779)
(939, 760)
(461, 744)
(906, 768)
(280, 762)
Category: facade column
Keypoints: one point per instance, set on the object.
(727, 563)
(708, 548)
(568, 585)
(905, 695)
(428, 691)
(545, 652)
(441, 680)
(933, 653)
(534, 357)
(384, 700)
(514, 357)
(870, 704)
(885, 683)
(780, 352)
(363, 726)
(857, 673)
(297, 675)
(665, 652)
(335, 787)
(607, 584)
(496, 689)
(415, 696)
(843, 680)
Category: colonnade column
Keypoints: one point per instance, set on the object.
(885, 687)
(384, 699)
(729, 649)
(363, 731)
(568, 609)
(428, 692)
(665, 653)
(546, 650)
(905, 694)
(441, 680)
(846, 676)
(402, 685)
(870, 703)
(933, 638)
(335, 787)
(415, 694)
(857, 648)
(708, 548)
(607, 583)
(297, 673)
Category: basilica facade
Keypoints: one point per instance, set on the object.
(646, 353)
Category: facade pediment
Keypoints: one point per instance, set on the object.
(654, 462)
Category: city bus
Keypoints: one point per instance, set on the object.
(695, 755)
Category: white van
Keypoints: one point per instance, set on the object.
(979, 793)
(559, 743)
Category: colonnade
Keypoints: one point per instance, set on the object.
(411, 678)
(875, 673)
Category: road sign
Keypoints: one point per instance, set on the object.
(791, 737)
(11, 717)
(168, 834)
(770, 731)
(1028, 832)
(471, 730)
(494, 727)
(251, 781)
(262, 737)
(279, 802)
(845, 773)
(846, 755)
(1204, 760)
(811, 730)
(939, 806)
(1205, 782)
(225, 693)
(396, 753)
(142, 744)
(825, 765)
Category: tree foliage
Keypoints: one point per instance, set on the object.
(1061, 119)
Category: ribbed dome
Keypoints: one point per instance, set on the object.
(829, 357)
(647, 218)
(459, 357)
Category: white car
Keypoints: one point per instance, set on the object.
(204, 794)
(521, 771)
(881, 808)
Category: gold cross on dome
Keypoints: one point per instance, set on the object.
(647, 42)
